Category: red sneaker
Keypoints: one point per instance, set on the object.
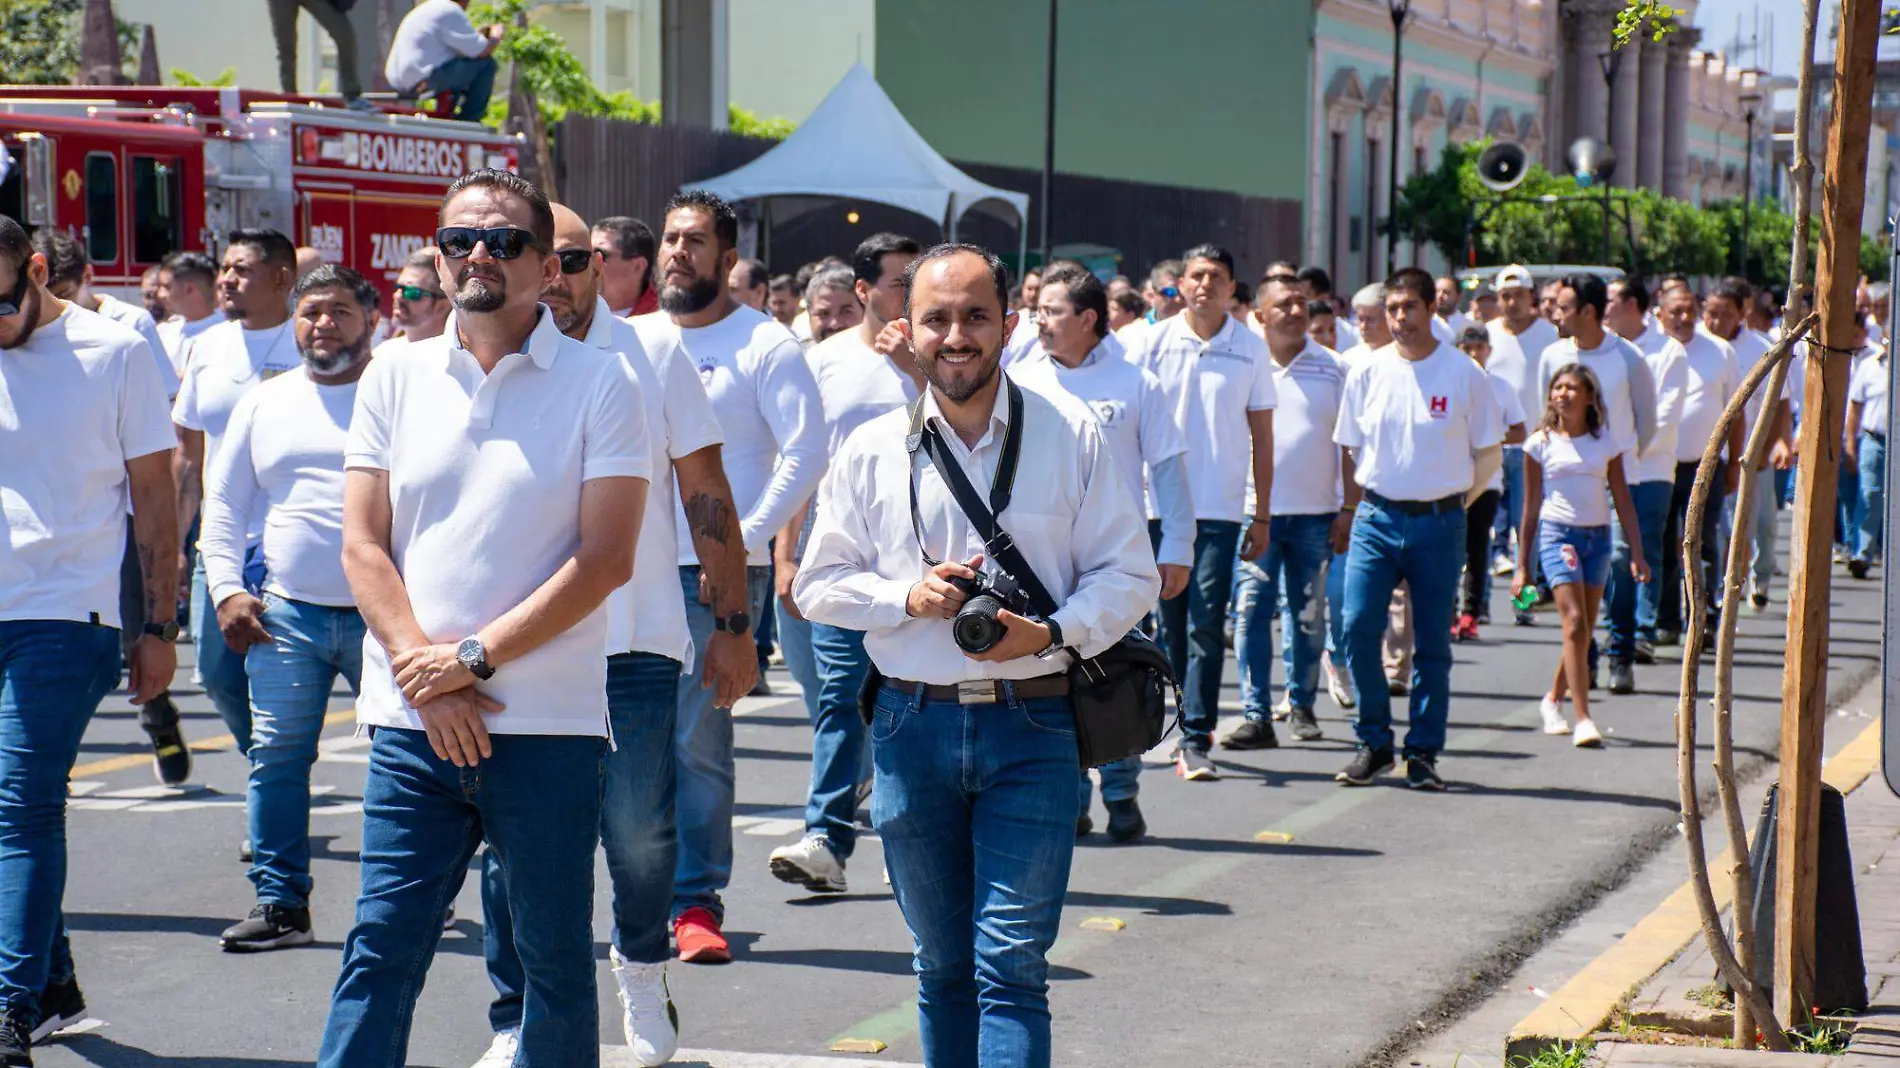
(699, 938)
(1470, 626)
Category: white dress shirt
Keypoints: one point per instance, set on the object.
(1070, 515)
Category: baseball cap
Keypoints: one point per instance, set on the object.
(1516, 276)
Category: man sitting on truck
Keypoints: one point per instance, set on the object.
(437, 49)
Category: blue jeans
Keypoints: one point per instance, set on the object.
(1847, 506)
(1426, 552)
(636, 832)
(1336, 607)
(469, 78)
(837, 737)
(1121, 781)
(794, 642)
(702, 739)
(1511, 508)
(53, 674)
(221, 669)
(1632, 605)
(1299, 552)
(291, 680)
(536, 802)
(976, 806)
(1193, 630)
(1873, 499)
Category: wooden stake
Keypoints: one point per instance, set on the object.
(1804, 686)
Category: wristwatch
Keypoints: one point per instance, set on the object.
(165, 632)
(474, 656)
(1055, 639)
(736, 623)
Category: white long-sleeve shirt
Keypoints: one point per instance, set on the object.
(1070, 514)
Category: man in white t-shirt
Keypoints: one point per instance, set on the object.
(69, 277)
(227, 361)
(1714, 375)
(767, 404)
(862, 372)
(1628, 316)
(1519, 336)
(1425, 431)
(1866, 449)
(437, 49)
(1722, 316)
(1218, 376)
(419, 309)
(1309, 525)
(83, 432)
(295, 624)
(648, 648)
(484, 684)
(188, 284)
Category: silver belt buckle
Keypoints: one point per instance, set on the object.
(976, 693)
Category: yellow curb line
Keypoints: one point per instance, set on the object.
(1583, 1005)
(205, 745)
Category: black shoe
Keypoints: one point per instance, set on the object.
(1397, 687)
(16, 1043)
(762, 688)
(1857, 568)
(1251, 734)
(268, 927)
(1421, 773)
(1622, 677)
(1124, 821)
(61, 1006)
(1759, 601)
(1668, 637)
(1303, 724)
(171, 758)
(1083, 825)
(1484, 617)
(1367, 764)
(245, 853)
(1645, 652)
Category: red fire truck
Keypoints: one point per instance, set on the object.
(137, 172)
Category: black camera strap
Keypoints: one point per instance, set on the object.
(997, 543)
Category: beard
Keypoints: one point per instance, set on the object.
(479, 294)
(29, 317)
(342, 360)
(685, 300)
(979, 374)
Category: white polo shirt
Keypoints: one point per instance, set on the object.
(1305, 458)
(141, 323)
(280, 471)
(77, 400)
(1714, 376)
(1869, 389)
(1213, 385)
(1750, 346)
(856, 384)
(1514, 358)
(1413, 425)
(485, 474)
(1670, 368)
(767, 403)
(648, 614)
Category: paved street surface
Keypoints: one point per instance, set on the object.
(1385, 916)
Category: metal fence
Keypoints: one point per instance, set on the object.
(613, 167)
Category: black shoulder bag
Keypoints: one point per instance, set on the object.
(1119, 697)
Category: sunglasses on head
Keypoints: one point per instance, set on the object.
(417, 293)
(575, 260)
(12, 304)
(502, 242)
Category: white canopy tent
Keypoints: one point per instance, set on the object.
(858, 146)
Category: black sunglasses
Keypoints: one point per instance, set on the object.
(575, 260)
(503, 242)
(417, 293)
(16, 300)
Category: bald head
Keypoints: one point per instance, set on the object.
(572, 296)
(568, 223)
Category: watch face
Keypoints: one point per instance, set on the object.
(470, 651)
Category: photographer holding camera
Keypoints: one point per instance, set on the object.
(973, 737)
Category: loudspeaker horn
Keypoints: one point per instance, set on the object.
(1591, 161)
(1503, 166)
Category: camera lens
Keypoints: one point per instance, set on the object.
(975, 627)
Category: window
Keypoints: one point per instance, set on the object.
(13, 187)
(157, 208)
(102, 208)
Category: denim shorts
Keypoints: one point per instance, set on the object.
(1573, 554)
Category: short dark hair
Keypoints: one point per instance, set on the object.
(632, 239)
(867, 262)
(1590, 291)
(1283, 278)
(422, 259)
(65, 256)
(192, 267)
(1215, 253)
(781, 283)
(1243, 292)
(1086, 292)
(1735, 289)
(755, 274)
(1317, 277)
(337, 276)
(1321, 307)
(725, 220)
(999, 274)
(15, 247)
(1474, 335)
(271, 247)
(540, 215)
(1634, 289)
(1414, 280)
(1129, 301)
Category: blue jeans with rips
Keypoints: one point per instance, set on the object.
(53, 674)
(1193, 626)
(1632, 605)
(291, 679)
(976, 807)
(1292, 573)
(221, 669)
(1426, 552)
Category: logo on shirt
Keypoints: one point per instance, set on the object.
(706, 369)
(1107, 412)
(1440, 407)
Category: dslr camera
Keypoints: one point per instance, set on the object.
(976, 628)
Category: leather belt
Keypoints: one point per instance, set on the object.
(1451, 503)
(984, 691)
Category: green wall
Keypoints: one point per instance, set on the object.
(1210, 94)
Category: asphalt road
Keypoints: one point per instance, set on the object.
(1386, 914)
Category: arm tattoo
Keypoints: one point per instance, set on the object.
(148, 570)
(709, 517)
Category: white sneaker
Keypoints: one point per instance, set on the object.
(1502, 565)
(810, 863)
(501, 1052)
(1587, 736)
(647, 1015)
(1339, 684)
(1554, 722)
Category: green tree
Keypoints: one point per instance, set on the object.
(39, 42)
(224, 79)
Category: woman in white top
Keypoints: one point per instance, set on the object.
(1568, 465)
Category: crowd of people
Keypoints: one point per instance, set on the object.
(549, 513)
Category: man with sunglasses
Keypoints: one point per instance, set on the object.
(626, 248)
(83, 428)
(420, 309)
(494, 483)
(767, 402)
(648, 646)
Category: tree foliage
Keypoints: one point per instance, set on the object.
(39, 42)
(224, 79)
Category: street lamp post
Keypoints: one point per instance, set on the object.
(1048, 139)
(1609, 61)
(1751, 103)
(1399, 10)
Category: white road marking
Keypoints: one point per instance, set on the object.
(621, 1057)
